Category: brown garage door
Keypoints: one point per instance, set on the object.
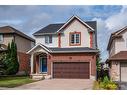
(71, 70)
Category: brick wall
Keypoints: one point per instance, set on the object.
(24, 62)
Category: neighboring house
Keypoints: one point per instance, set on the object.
(23, 42)
(117, 48)
(65, 50)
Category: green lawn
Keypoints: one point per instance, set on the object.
(14, 81)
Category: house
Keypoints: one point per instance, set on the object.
(65, 50)
(117, 48)
(23, 42)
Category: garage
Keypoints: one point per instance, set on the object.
(123, 71)
(71, 70)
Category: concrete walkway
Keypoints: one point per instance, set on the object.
(59, 84)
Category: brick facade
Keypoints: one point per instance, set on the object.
(24, 63)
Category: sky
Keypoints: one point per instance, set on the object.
(30, 19)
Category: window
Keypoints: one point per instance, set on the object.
(126, 42)
(75, 38)
(1, 38)
(48, 39)
(32, 44)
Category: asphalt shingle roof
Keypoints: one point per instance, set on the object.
(9, 29)
(52, 28)
(78, 49)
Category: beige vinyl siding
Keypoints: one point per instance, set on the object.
(23, 44)
(121, 43)
(41, 39)
(78, 27)
(7, 38)
(112, 49)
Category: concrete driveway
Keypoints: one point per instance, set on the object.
(59, 84)
(123, 85)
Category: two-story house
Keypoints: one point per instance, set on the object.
(65, 50)
(117, 48)
(23, 42)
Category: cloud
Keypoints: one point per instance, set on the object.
(106, 26)
(117, 21)
(30, 19)
(102, 37)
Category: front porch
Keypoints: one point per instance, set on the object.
(39, 66)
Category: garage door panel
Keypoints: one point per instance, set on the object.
(71, 70)
(124, 71)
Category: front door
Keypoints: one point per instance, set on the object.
(43, 64)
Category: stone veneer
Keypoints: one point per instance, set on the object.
(115, 71)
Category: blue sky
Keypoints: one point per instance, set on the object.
(29, 19)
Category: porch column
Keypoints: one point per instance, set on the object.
(37, 64)
(32, 63)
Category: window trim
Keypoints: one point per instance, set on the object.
(75, 44)
(48, 39)
(2, 37)
(126, 42)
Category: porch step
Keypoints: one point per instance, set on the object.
(40, 76)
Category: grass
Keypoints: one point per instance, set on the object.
(11, 82)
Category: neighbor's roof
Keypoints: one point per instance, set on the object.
(9, 30)
(114, 35)
(122, 55)
(54, 28)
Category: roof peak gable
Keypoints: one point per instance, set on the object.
(79, 19)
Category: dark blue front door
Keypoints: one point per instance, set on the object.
(43, 64)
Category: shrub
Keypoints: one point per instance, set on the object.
(111, 86)
(108, 84)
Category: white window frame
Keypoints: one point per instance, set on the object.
(48, 39)
(126, 42)
(1, 38)
(32, 44)
(75, 38)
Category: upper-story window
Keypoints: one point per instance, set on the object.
(1, 38)
(32, 44)
(48, 39)
(126, 42)
(75, 38)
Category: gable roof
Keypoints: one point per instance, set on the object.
(11, 30)
(114, 35)
(38, 45)
(71, 19)
(54, 28)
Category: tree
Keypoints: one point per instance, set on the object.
(11, 59)
(2, 65)
(98, 64)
